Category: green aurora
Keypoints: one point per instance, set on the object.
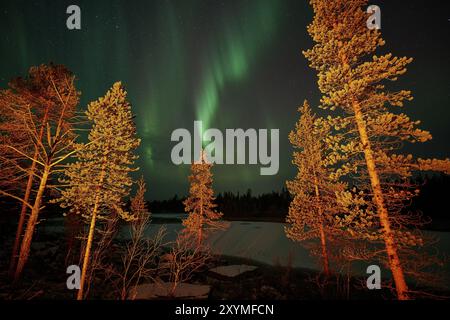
(230, 64)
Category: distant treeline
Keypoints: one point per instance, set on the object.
(432, 202)
(270, 206)
(274, 206)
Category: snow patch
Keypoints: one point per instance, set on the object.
(233, 270)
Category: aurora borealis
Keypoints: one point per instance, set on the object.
(230, 64)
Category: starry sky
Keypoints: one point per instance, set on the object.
(231, 64)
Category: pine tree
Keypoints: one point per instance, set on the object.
(353, 81)
(43, 105)
(138, 205)
(200, 204)
(99, 180)
(313, 207)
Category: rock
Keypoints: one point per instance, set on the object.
(233, 270)
(162, 290)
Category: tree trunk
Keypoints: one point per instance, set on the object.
(199, 238)
(28, 236)
(200, 231)
(88, 250)
(323, 240)
(26, 198)
(389, 238)
(23, 212)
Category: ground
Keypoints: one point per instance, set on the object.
(45, 279)
(45, 274)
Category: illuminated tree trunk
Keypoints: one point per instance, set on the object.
(26, 198)
(87, 252)
(199, 237)
(200, 233)
(323, 239)
(21, 223)
(90, 238)
(389, 240)
(28, 236)
(323, 242)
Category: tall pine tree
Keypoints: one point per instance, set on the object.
(313, 207)
(370, 129)
(99, 181)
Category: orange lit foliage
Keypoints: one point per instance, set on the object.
(43, 105)
(312, 210)
(200, 204)
(369, 129)
(99, 180)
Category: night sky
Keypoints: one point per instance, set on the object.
(231, 64)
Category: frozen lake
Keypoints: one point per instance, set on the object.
(264, 242)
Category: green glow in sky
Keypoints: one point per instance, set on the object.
(233, 52)
(229, 63)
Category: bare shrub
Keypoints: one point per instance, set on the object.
(140, 260)
(185, 258)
